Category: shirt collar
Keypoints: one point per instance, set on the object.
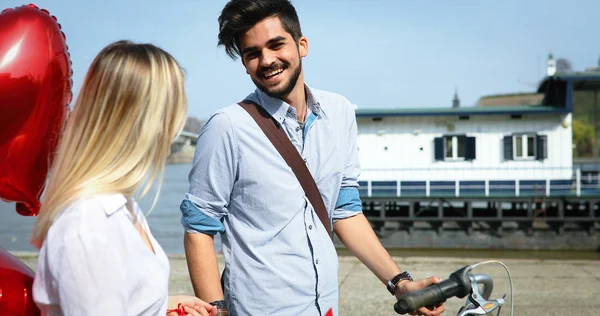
(111, 203)
(312, 103)
(280, 110)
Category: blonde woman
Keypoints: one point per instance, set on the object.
(97, 255)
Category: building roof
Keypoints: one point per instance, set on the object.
(554, 96)
(589, 80)
(463, 111)
(523, 98)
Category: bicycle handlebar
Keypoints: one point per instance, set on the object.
(458, 284)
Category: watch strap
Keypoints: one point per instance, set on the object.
(391, 285)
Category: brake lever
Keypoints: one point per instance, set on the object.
(483, 306)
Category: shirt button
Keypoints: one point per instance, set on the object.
(309, 226)
(317, 261)
(297, 129)
(304, 159)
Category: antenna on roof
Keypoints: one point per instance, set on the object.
(455, 100)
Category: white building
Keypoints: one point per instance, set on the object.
(508, 150)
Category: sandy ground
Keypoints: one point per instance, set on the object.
(541, 287)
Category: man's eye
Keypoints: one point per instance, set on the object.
(276, 46)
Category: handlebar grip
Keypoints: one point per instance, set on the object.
(429, 296)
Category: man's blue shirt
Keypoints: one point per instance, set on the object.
(279, 258)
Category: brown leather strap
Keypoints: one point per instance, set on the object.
(284, 146)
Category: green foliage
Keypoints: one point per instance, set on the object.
(583, 136)
(586, 116)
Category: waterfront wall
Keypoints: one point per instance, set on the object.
(424, 238)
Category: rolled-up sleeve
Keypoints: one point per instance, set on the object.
(348, 203)
(212, 178)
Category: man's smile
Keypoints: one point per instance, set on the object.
(272, 73)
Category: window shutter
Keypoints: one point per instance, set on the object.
(470, 148)
(439, 148)
(542, 147)
(508, 147)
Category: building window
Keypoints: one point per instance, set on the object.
(454, 147)
(525, 147)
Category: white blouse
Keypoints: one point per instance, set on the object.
(94, 262)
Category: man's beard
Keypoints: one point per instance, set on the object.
(281, 93)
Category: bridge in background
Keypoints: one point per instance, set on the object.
(185, 140)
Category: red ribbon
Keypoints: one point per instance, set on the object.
(179, 310)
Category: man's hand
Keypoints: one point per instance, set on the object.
(406, 286)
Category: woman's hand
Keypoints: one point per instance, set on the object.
(192, 306)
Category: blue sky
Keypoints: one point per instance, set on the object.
(378, 53)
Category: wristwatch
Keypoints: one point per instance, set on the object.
(219, 304)
(221, 307)
(391, 285)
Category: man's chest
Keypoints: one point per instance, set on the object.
(321, 145)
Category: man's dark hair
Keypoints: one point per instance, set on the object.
(238, 16)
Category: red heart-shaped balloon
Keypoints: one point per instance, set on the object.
(16, 280)
(35, 90)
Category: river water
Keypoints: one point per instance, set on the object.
(165, 224)
(164, 219)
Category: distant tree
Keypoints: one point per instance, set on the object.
(193, 125)
(583, 139)
(563, 65)
(586, 110)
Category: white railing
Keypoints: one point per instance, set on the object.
(578, 184)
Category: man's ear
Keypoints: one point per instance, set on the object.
(244, 64)
(303, 46)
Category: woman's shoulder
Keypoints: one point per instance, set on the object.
(85, 217)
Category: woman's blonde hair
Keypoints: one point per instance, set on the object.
(131, 107)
